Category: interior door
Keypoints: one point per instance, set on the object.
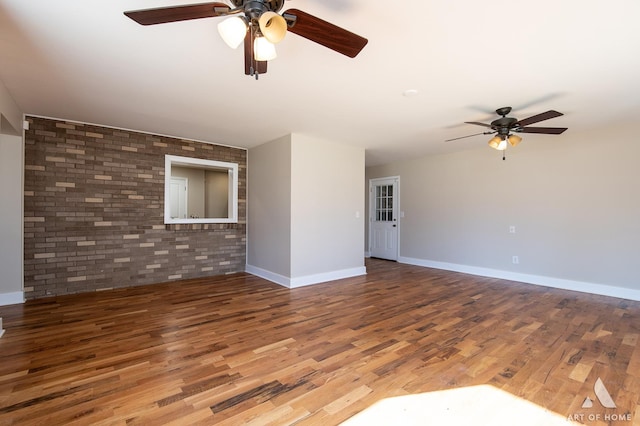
(383, 218)
(178, 194)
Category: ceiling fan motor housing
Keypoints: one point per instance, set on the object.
(504, 124)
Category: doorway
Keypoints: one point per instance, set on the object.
(178, 193)
(384, 199)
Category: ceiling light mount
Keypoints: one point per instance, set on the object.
(504, 111)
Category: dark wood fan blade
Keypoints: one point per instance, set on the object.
(162, 15)
(540, 117)
(468, 136)
(544, 130)
(260, 66)
(478, 123)
(326, 34)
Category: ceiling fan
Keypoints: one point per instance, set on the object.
(260, 26)
(504, 127)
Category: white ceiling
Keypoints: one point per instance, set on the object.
(85, 61)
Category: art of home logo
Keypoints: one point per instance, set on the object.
(604, 398)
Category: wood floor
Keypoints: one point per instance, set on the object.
(241, 350)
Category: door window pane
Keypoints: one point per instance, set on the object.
(384, 203)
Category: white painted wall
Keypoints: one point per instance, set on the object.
(304, 196)
(10, 114)
(269, 209)
(11, 207)
(327, 209)
(11, 275)
(574, 200)
(195, 191)
(216, 190)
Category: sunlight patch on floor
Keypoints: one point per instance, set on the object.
(474, 405)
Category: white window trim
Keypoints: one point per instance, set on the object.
(232, 169)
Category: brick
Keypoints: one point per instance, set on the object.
(85, 243)
(55, 159)
(91, 191)
(44, 255)
(66, 184)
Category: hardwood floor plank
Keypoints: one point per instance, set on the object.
(348, 399)
(240, 350)
(634, 362)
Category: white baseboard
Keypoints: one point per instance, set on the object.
(294, 282)
(327, 276)
(584, 287)
(11, 298)
(267, 275)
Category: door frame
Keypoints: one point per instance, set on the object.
(396, 210)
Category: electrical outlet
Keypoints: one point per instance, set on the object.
(512, 229)
(515, 260)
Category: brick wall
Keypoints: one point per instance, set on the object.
(94, 206)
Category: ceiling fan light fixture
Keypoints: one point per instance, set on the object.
(498, 142)
(272, 26)
(233, 30)
(495, 142)
(263, 49)
(514, 140)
